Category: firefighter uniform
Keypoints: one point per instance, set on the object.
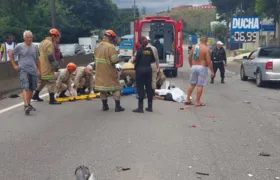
(63, 82)
(107, 77)
(160, 78)
(154, 65)
(83, 80)
(49, 66)
(143, 72)
(128, 71)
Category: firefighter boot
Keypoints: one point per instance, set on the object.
(140, 107)
(223, 80)
(212, 80)
(62, 94)
(36, 96)
(118, 107)
(52, 99)
(150, 107)
(105, 105)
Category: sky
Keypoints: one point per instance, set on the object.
(158, 5)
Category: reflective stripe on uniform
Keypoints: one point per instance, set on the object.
(48, 77)
(114, 57)
(102, 61)
(107, 89)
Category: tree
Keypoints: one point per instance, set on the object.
(220, 31)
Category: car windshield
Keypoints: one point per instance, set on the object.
(272, 52)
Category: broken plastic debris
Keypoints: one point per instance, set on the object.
(119, 169)
(247, 102)
(277, 177)
(190, 167)
(204, 174)
(264, 154)
(250, 175)
(194, 126)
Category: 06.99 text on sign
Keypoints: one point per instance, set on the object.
(244, 36)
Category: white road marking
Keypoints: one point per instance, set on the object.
(18, 105)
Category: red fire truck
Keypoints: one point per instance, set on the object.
(166, 35)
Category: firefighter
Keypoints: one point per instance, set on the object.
(106, 77)
(160, 78)
(63, 81)
(49, 66)
(219, 59)
(143, 72)
(154, 65)
(128, 71)
(83, 80)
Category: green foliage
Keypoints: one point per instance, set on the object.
(75, 18)
(196, 21)
(220, 31)
(267, 9)
(122, 26)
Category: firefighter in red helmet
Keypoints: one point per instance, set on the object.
(106, 76)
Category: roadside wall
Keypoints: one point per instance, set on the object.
(9, 78)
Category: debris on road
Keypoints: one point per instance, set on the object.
(247, 102)
(204, 174)
(264, 154)
(186, 108)
(14, 96)
(194, 126)
(277, 177)
(120, 169)
(250, 175)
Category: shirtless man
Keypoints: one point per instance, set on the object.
(199, 60)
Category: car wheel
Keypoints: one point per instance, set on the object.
(242, 74)
(259, 81)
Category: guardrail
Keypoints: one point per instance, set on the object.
(9, 78)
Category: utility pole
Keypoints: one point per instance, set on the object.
(134, 10)
(53, 13)
(278, 23)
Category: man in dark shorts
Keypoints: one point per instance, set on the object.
(28, 68)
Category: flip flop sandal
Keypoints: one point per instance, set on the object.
(188, 103)
(200, 105)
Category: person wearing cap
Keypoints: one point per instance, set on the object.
(219, 59)
(63, 81)
(83, 80)
(106, 75)
(154, 65)
(49, 66)
(143, 75)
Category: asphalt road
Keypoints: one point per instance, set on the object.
(223, 139)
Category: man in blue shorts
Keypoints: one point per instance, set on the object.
(200, 61)
(28, 67)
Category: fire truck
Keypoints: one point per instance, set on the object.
(166, 35)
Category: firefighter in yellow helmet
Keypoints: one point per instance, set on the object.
(106, 77)
(63, 81)
(49, 66)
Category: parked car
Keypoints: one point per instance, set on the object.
(263, 64)
(71, 49)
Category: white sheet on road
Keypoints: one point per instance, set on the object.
(177, 94)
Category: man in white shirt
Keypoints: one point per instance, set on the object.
(7, 46)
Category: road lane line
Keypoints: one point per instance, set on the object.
(19, 104)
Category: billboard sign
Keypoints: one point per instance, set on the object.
(244, 28)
